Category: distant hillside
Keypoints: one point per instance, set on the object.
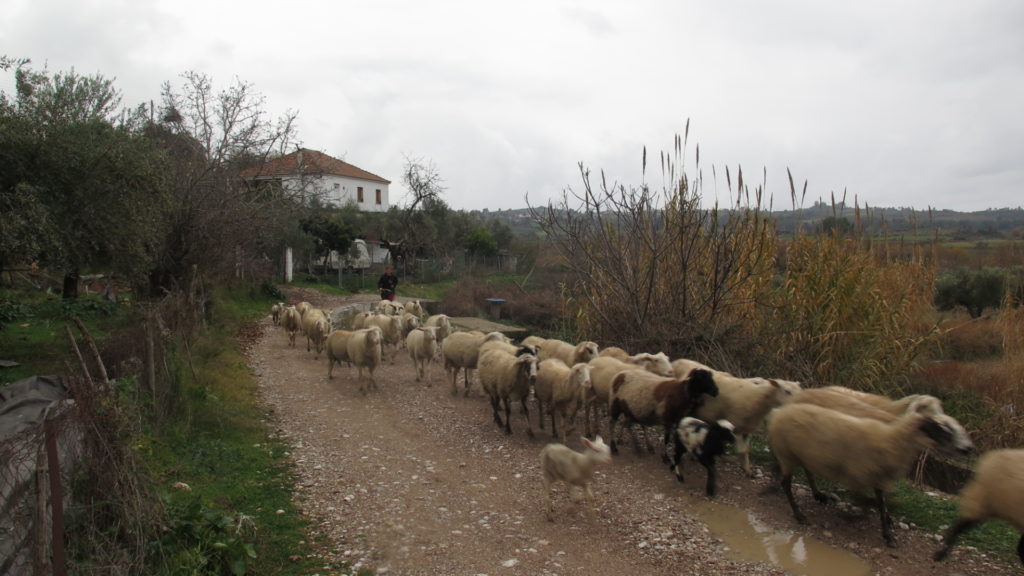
(1000, 223)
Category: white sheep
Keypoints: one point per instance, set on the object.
(614, 352)
(534, 341)
(390, 330)
(415, 308)
(569, 353)
(461, 351)
(275, 312)
(410, 322)
(337, 350)
(364, 350)
(444, 326)
(422, 346)
(996, 490)
(303, 307)
(390, 308)
(292, 322)
(705, 441)
(507, 378)
(862, 453)
(316, 327)
(894, 407)
(562, 390)
(559, 462)
(648, 399)
(359, 320)
(653, 363)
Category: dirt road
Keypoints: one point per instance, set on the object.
(412, 480)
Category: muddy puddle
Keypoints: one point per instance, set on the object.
(751, 539)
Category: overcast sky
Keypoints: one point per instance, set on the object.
(909, 103)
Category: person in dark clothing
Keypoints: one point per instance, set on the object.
(387, 284)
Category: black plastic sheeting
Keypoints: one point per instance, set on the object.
(24, 403)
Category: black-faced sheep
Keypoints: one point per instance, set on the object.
(562, 390)
(705, 441)
(292, 322)
(996, 490)
(864, 454)
(461, 351)
(364, 350)
(559, 462)
(507, 378)
(422, 346)
(648, 399)
(337, 350)
(568, 353)
(316, 327)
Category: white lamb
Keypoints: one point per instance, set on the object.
(422, 346)
(562, 390)
(559, 462)
(864, 454)
(444, 326)
(507, 378)
(275, 312)
(364, 350)
(996, 490)
(415, 308)
(461, 351)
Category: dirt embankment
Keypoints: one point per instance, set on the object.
(413, 480)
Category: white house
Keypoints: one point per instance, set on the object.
(315, 174)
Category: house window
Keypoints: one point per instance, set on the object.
(359, 194)
(378, 196)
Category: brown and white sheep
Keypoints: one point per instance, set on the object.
(603, 370)
(422, 346)
(562, 390)
(864, 454)
(648, 399)
(507, 378)
(558, 462)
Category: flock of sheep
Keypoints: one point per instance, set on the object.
(864, 441)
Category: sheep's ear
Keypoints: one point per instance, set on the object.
(587, 443)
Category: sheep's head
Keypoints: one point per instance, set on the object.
(597, 449)
(700, 382)
(947, 434)
(581, 376)
(586, 351)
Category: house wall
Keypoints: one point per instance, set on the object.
(340, 190)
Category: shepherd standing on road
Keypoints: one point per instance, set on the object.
(387, 284)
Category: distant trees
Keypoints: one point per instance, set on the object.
(976, 289)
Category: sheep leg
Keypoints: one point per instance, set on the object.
(743, 453)
(818, 494)
(526, 413)
(465, 372)
(890, 539)
(677, 467)
(508, 416)
(330, 368)
(664, 446)
(495, 404)
(547, 498)
(540, 413)
(709, 465)
(787, 487)
(961, 526)
(614, 447)
(452, 371)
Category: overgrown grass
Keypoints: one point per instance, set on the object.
(221, 448)
(33, 333)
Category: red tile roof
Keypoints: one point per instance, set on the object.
(310, 162)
